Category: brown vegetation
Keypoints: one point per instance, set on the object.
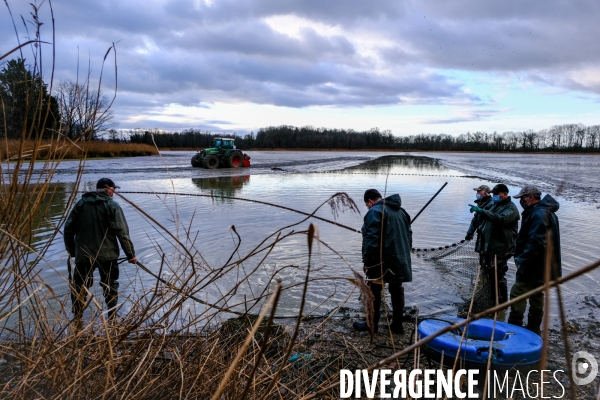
(11, 149)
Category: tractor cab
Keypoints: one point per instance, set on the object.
(224, 143)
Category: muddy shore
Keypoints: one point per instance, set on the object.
(336, 336)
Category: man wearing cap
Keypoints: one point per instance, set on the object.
(539, 230)
(91, 233)
(387, 240)
(497, 241)
(483, 200)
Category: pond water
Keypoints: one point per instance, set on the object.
(304, 180)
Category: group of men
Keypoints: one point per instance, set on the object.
(96, 223)
(387, 242)
(535, 247)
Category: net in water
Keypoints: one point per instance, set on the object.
(462, 258)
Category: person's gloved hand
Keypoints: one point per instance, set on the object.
(475, 209)
(468, 237)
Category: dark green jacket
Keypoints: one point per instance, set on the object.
(387, 253)
(477, 219)
(530, 250)
(499, 229)
(93, 227)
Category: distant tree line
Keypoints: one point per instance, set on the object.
(189, 138)
(567, 138)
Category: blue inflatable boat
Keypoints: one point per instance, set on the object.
(513, 346)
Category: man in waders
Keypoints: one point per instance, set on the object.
(496, 243)
(91, 233)
(539, 236)
(387, 240)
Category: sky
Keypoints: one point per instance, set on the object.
(408, 66)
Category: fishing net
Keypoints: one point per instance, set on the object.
(462, 258)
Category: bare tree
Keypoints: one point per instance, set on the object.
(85, 113)
(114, 135)
(554, 136)
(570, 130)
(580, 135)
(593, 136)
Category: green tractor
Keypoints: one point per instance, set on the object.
(222, 154)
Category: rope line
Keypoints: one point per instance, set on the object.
(248, 200)
(414, 249)
(428, 254)
(379, 173)
(417, 250)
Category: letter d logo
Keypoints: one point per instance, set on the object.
(582, 364)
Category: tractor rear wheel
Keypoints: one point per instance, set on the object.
(235, 159)
(197, 161)
(211, 161)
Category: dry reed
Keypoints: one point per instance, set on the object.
(13, 149)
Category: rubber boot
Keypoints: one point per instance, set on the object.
(376, 305)
(397, 294)
(533, 324)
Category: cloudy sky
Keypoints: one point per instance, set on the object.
(410, 66)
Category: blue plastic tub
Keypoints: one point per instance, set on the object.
(513, 346)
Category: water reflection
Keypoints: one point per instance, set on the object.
(40, 208)
(52, 208)
(401, 162)
(222, 186)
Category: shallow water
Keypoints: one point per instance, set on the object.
(304, 180)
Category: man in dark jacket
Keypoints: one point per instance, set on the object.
(387, 241)
(539, 230)
(496, 243)
(483, 200)
(91, 233)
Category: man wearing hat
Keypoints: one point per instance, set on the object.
(497, 240)
(539, 236)
(483, 200)
(91, 233)
(386, 245)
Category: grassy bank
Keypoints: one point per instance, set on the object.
(11, 148)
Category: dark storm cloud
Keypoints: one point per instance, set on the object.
(285, 83)
(194, 52)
